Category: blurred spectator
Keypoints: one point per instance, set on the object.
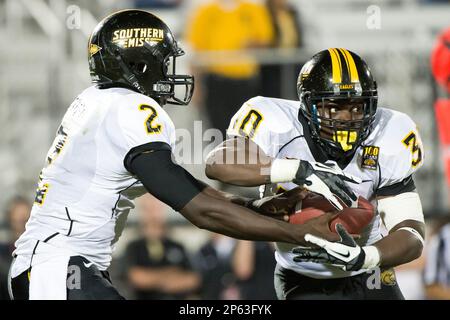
(254, 265)
(437, 268)
(17, 213)
(214, 263)
(157, 267)
(156, 4)
(228, 25)
(286, 26)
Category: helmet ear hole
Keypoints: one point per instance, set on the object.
(141, 67)
(166, 65)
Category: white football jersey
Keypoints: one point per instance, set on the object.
(392, 152)
(85, 193)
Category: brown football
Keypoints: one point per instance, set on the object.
(353, 219)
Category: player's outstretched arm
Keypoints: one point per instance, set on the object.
(174, 186)
(279, 206)
(225, 217)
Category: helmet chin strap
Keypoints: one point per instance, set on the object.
(128, 75)
(338, 154)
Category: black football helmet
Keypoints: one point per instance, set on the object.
(134, 49)
(330, 79)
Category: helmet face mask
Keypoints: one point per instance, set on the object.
(166, 89)
(339, 135)
(339, 108)
(133, 49)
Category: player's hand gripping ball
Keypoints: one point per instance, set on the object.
(353, 219)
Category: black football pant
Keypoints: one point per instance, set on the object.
(374, 285)
(92, 284)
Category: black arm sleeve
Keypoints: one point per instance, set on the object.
(152, 164)
(407, 185)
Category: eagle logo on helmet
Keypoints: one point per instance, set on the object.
(93, 49)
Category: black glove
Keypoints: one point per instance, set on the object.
(345, 254)
(328, 180)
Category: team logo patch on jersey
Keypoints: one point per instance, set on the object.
(388, 277)
(370, 157)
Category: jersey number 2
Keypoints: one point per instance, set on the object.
(150, 126)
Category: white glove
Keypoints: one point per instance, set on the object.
(345, 254)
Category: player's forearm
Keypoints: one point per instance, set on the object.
(403, 216)
(239, 161)
(221, 195)
(399, 247)
(277, 207)
(247, 175)
(235, 221)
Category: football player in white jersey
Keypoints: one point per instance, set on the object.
(336, 120)
(114, 144)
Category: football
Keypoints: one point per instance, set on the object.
(353, 219)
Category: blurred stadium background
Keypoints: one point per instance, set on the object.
(43, 66)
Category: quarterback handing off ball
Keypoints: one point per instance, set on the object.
(354, 220)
